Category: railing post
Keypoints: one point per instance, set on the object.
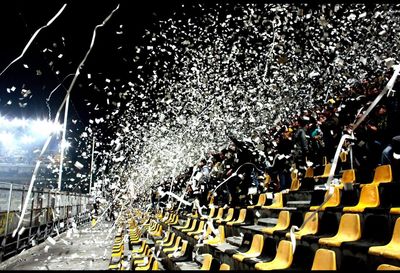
(8, 209)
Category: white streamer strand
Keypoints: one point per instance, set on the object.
(33, 37)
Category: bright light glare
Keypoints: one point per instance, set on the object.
(67, 144)
(6, 138)
(44, 127)
(27, 139)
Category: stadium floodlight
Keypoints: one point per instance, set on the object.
(27, 139)
(44, 127)
(6, 138)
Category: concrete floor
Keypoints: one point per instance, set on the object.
(85, 249)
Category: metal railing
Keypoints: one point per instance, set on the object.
(42, 219)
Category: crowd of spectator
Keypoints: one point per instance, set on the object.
(309, 139)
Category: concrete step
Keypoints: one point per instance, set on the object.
(299, 202)
(267, 221)
(188, 266)
(234, 240)
(256, 228)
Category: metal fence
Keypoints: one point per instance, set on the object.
(44, 216)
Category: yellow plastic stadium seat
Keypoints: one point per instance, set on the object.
(387, 267)
(210, 215)
(392, 249)
(255, 250)
(147, 266)
(295, 182)
(229, 216)
(206, 262)
(240, 220)
(327, 170)
(116, 266)
(310, 228)
(192, 228)
(208, 232)
(349, 231)
(220, 214)
(170, 241)
(224, 267)
(369, 198)
(276, 203)
(383, 174)
(155, 266)
(348, 176)
(334, 201)
(282, 223)
(282, 260)
(324, 259)
(395, 210)
(175, 247)
(187, 224)
(309, 173)
(166, 237)
(199, 229)
(141, 249)
(261, 201)
(140, 259)
(183, 249)
(175, 221)
(158, 233)
(219, 239)
(343, 157)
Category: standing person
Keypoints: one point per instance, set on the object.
(391, 155)
(300, 143)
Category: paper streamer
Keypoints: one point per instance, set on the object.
(35, 171)
(33, 37)
(388, 87)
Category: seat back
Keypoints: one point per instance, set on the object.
(242, 216)
(309, 172)
(343, 157)
(295, 182)
(349, 226)
(229, 215)
(327, 170)
(257, 244)
(220, 214)
(324, 259)
(155, 266)
(334, 201)
(184, 247)
(312, 225)
(221, 230)
(396, 233)
(383, 174)
(387, 267)
(284, 253)
(348, 176)
(171, 239)
(177, 242)
(224, 267)
(194, 223)
(283, 219)
(262, 199)
(206, 262)
(278, 200)
(201, 226)
(369, 195)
